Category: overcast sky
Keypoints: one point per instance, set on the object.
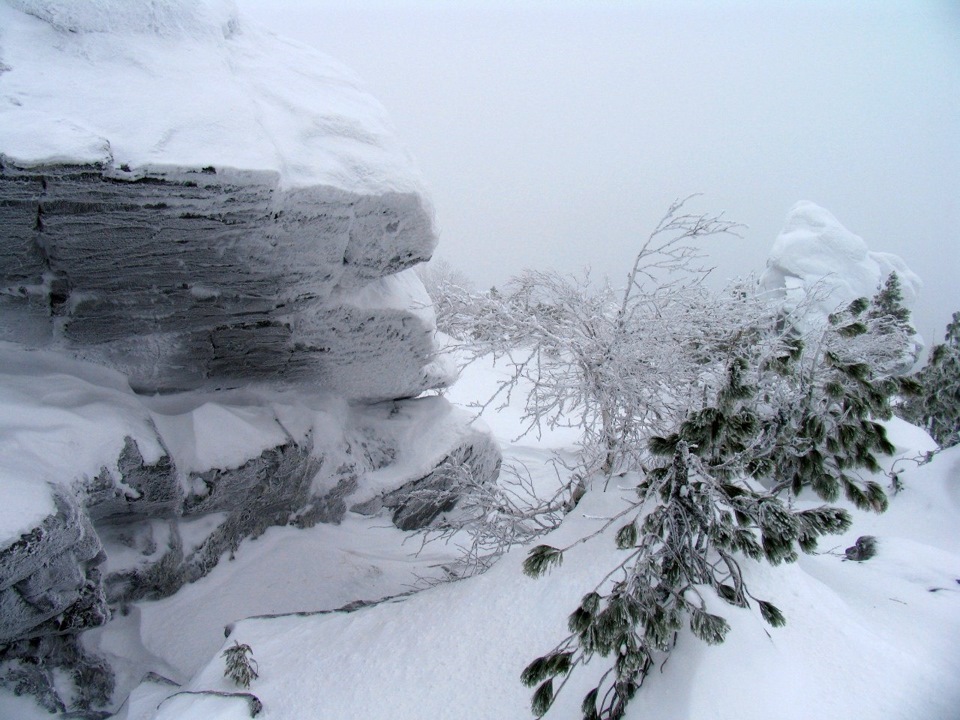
(556, 133)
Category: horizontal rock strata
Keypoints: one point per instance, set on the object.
(186, 278)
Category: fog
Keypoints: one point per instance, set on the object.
(555, 134)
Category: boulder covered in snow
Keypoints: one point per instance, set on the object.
(167, 485)
(112, 497)
(817, 259)
(209, 324)
(196, 202)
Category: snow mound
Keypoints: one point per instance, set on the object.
(174, 17)
(818, 258)
(186, 84)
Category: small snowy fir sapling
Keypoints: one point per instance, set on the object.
(240, 668)
(887, 316)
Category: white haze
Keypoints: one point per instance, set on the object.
(556, 133)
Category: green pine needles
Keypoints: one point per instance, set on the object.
(780, 414)
(687, 545)
(935, 404)
(239, 667)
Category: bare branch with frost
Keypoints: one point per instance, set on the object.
(490, 518)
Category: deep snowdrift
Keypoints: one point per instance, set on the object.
(872, 640)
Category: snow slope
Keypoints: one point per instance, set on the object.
(872, 641)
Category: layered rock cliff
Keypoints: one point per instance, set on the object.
(196, 203)
(208, 321)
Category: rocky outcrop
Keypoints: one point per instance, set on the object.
(208, 321)
(250, 225)
(180, 279)
(416, 504)
(154, 518)
(156, 491)
(228, 506)
(816, 264)
(50, 580)
(51, 590)
(179, 481)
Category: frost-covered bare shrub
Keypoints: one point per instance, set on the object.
(726, 404)
(490, 518)
(448, 288)
(602, 361)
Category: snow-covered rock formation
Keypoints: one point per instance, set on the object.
(224, 222)
(195, 202)
(172, 483)
(816, 259)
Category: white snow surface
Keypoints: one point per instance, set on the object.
(186, 84)
(816, 257)
(872, 641)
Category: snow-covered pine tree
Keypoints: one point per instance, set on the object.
(776, 413)
(887, 305)
(696, 513)
(936, 405)
(828, 400)
(888, 317)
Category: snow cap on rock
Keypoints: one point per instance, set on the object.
(187, 83)
(194, 201)
(815, 257)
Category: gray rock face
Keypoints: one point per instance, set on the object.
(50, 581)
(64, 655)
(186, 278)
(158, 492)
(234, 504)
